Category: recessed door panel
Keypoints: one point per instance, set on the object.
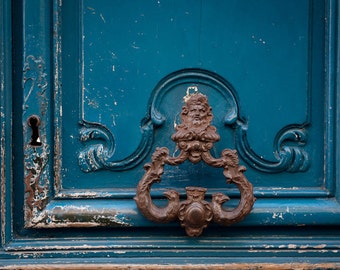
(108, 88)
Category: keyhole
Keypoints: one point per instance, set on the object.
(34, 122)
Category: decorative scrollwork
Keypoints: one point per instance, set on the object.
(195, 137)
(289, 151)
(97, 156)
(289, 146)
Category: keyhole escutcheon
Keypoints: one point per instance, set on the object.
(34, 123)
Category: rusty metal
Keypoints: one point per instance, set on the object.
(195, 136)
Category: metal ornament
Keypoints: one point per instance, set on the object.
(195, 137)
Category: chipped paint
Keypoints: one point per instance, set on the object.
(177, 266)
(278, 215)
(3, 181)
(58, 104)
(57, 161)
(320, 246)
(79, 216)
(34, 78)
(102, 17)
(304, 246)
(292, 246)
(36, 181)
(86, 194)
(36, 178)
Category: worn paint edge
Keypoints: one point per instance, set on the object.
(57, 94)
(5, 117)
(176, 266)
(78, 216)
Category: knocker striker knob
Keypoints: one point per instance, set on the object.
(195, 213)
(195, 137)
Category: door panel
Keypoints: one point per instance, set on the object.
(102, 86)
(120, 76)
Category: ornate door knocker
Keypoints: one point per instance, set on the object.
(195, 137)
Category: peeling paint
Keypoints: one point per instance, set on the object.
(292, 246)
(36, 181)
(119, 252)
(57, 161)
(36, 102)
(304, 246)
(34, 78)
(57, 94)
(177, 266)
(80, 216)
(320, 246)
(278, 215)
(3, 182)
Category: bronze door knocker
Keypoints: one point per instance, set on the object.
(195, 137)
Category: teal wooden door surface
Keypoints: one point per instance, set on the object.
(97, 86)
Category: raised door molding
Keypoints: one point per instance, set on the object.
(47, 221)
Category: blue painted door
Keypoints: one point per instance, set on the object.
(99, 85)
